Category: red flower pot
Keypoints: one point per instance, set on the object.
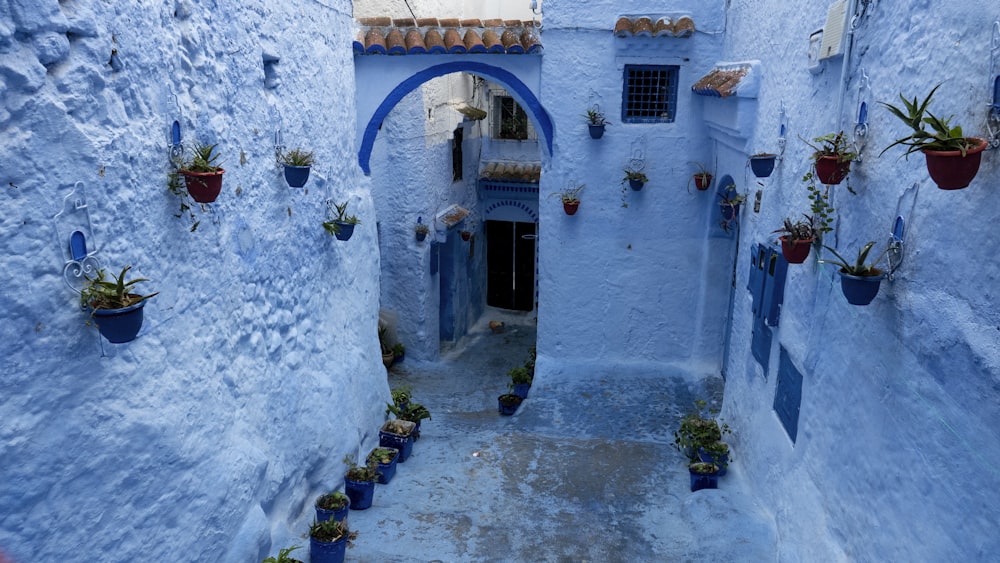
(797, 252)
(702, 181)
(466, 235)
(952, 171)
(831, 170)
(204, 187)
(570, 208)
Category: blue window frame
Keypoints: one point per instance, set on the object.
(649, 94)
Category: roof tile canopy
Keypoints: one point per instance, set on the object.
(512, 171)
(432, 36)
(738, 79)
(647, 26)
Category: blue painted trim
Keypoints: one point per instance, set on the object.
(417, 50)
(397, 50)
(513, 84)
(359, 47)
(375, 49)
(457, 49)
(437, 50)
(497, 48)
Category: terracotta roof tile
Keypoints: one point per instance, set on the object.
(394, 42)
(729, 79)
(496, 171)
(406, 36)
(644, 26)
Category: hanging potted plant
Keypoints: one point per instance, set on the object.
(570, 198)
(328, 541)
(202, 174)
(284, 556)
(797, 239)
(729, 205)
(341, 226)
(952, 158)
(385, 460)
(466, 235)
(297, 164)
(702, 179)
(703, 475)
(520, 381)
(635, 178)
(832, 157)
(859, 281)
(596, 122)
(762, 164)
(420, 230)
(116, 311)
(508, 403)
(397, 434)
(359, 483)
(333, 505)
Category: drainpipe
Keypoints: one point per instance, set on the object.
(852, 6)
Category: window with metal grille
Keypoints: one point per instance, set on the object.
(509, 121)
(649, 94)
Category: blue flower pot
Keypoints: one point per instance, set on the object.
(386, 471)
(402, 443)
(636, 184)
(762, 166)
(508, 407)
(860, 290)
(361, 493)
(327, 552)
(701, 481)
(322, 514)
(521, 389)
(297, 176)
(722, 461)
(345, 231)
(119, 325)
(596, 131)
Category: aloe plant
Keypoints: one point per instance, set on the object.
(298, 157)
(328, 531)
(116, 293)
(203, 159)
(859, 267)
(941, 136)
(283, 555)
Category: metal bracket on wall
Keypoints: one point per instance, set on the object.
(782, 131)
(175, 143)
(861, 122)
(894, 253)
(637, 155)
(993, 116)
(861, 10)
(73, 232)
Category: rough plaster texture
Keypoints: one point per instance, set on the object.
(258, 366)
(894, 457)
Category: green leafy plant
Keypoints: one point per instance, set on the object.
(332, 225)
(398, 427)
(385, 343)
(861, 266)
(381, 455)
(698, 429)
(413, 412)
(328, 531)
(355, 472)
(730, 199)
(529, 364)
(401, 394)
(819, 203)
(797, 231)
(596, 117)
(832, 144)
(283, 555)
(703, 468)
(519, 375)
(175, 185)
(702, 173)
(940, 137)
(570, 195)
(634, 175)
(421, 229)
(398, 349)
(298, 157)
(332, 501)
(114, 293)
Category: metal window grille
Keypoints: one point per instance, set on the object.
(649, 94)
(508, 120)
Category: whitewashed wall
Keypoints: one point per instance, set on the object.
(258, 367)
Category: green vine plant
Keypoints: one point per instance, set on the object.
(175, 184)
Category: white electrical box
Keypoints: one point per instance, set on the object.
(834, 31)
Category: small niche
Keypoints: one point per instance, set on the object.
(271, 78)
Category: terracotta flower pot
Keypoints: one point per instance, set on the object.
(950, 170)
(466, 235)
(204, 187)
(831, 170)
(795, 252)
(702, 181)
(571, 207)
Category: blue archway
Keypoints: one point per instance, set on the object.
(512, 83)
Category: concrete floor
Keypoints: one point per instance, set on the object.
(584, 471)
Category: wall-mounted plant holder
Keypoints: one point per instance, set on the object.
(861, 119)
(894, 254)
(815, 43)
(862, 9)
(279, 148)
(782, 130)
(176, 145)
(75, 238)
(993, 116)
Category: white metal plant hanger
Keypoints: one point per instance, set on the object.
(74, 232)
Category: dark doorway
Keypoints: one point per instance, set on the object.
(510, 263)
